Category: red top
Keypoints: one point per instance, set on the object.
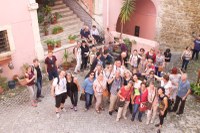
(126, 93)
(51, 63)
(30, 76)
(143, 97)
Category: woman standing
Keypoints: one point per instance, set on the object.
(72, 90)
(133, 60)
(174, 78)
(138, 101)
(168, 56)
(124, 95)
(185, 57)
(163, 107)
(77, 53)
(30, 77)
(84, 55)
(159, 64)
(99, 86)
(88, 90)
(153, 99)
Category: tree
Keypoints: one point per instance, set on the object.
(127, 9)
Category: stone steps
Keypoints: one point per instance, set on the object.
(70, 22)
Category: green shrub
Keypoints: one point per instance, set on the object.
(50, 42)
(72, 37)
(57, 29)
(195, 88)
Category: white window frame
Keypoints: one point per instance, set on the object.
(10, 41)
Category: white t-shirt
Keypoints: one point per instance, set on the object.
(137, 84)
(166, 86)
(61, 87)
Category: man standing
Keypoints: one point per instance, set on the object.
(196, 48)
(38, 73)
(183, 92)
(51, 65)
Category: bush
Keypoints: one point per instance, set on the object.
(196, 88)
(50, 42)
(72, 37)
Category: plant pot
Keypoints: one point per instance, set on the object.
(46, 33)
(50, 47)
(71, 41)
(58, 45)
(66, 65)
(53, 21)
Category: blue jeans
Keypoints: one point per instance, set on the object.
(135, 110)
(157, 72)
(184, 64)
(88, 100)
(39, 86)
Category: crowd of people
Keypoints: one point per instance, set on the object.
(142, 82)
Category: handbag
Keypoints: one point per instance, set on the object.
(142, 107)
(122, 103)
(160, 68)
(149, 104)
(82, 97)
(105, 91)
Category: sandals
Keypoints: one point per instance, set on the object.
(98, 111)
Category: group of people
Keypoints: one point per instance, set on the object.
(141, 81)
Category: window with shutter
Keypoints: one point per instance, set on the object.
(4, 43)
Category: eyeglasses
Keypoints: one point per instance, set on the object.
(91, 74)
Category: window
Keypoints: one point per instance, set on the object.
(7, 46)
(4, 43)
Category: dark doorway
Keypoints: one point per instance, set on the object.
(137, 31)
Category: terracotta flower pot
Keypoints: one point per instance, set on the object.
(50, 47)
(58, 45)
(1, 90)
(46, 33)
(71, 41)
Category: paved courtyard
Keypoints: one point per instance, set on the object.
(17, 116)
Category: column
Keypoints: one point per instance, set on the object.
(98, 12)
(33, 6)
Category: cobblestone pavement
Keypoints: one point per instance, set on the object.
(17, 116)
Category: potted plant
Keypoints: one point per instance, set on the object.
(47, 10)
(3, 84)
(66, 63)
(45, 30)
(50, 44)
(58, 43)
(128, 44)
(54, 17)
(72, 38)
(196, 90)
(57, 29)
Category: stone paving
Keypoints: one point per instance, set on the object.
(17, 116)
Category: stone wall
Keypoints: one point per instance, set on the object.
(177, 19)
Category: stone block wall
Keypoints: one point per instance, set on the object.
(176, 21)
(81, 13)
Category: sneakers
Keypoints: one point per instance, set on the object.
(58, 115)
(152, 122)
(157, 125)
(117, 119)
(72, 107)
(125, 117)
(139, 120)
(85, 109)
(158, 131)
(41, 96)
(110, 112)
(64, 110)
(75, 108)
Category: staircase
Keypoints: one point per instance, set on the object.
(70, 22)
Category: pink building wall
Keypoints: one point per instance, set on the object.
(144, 17)
(18, 17)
